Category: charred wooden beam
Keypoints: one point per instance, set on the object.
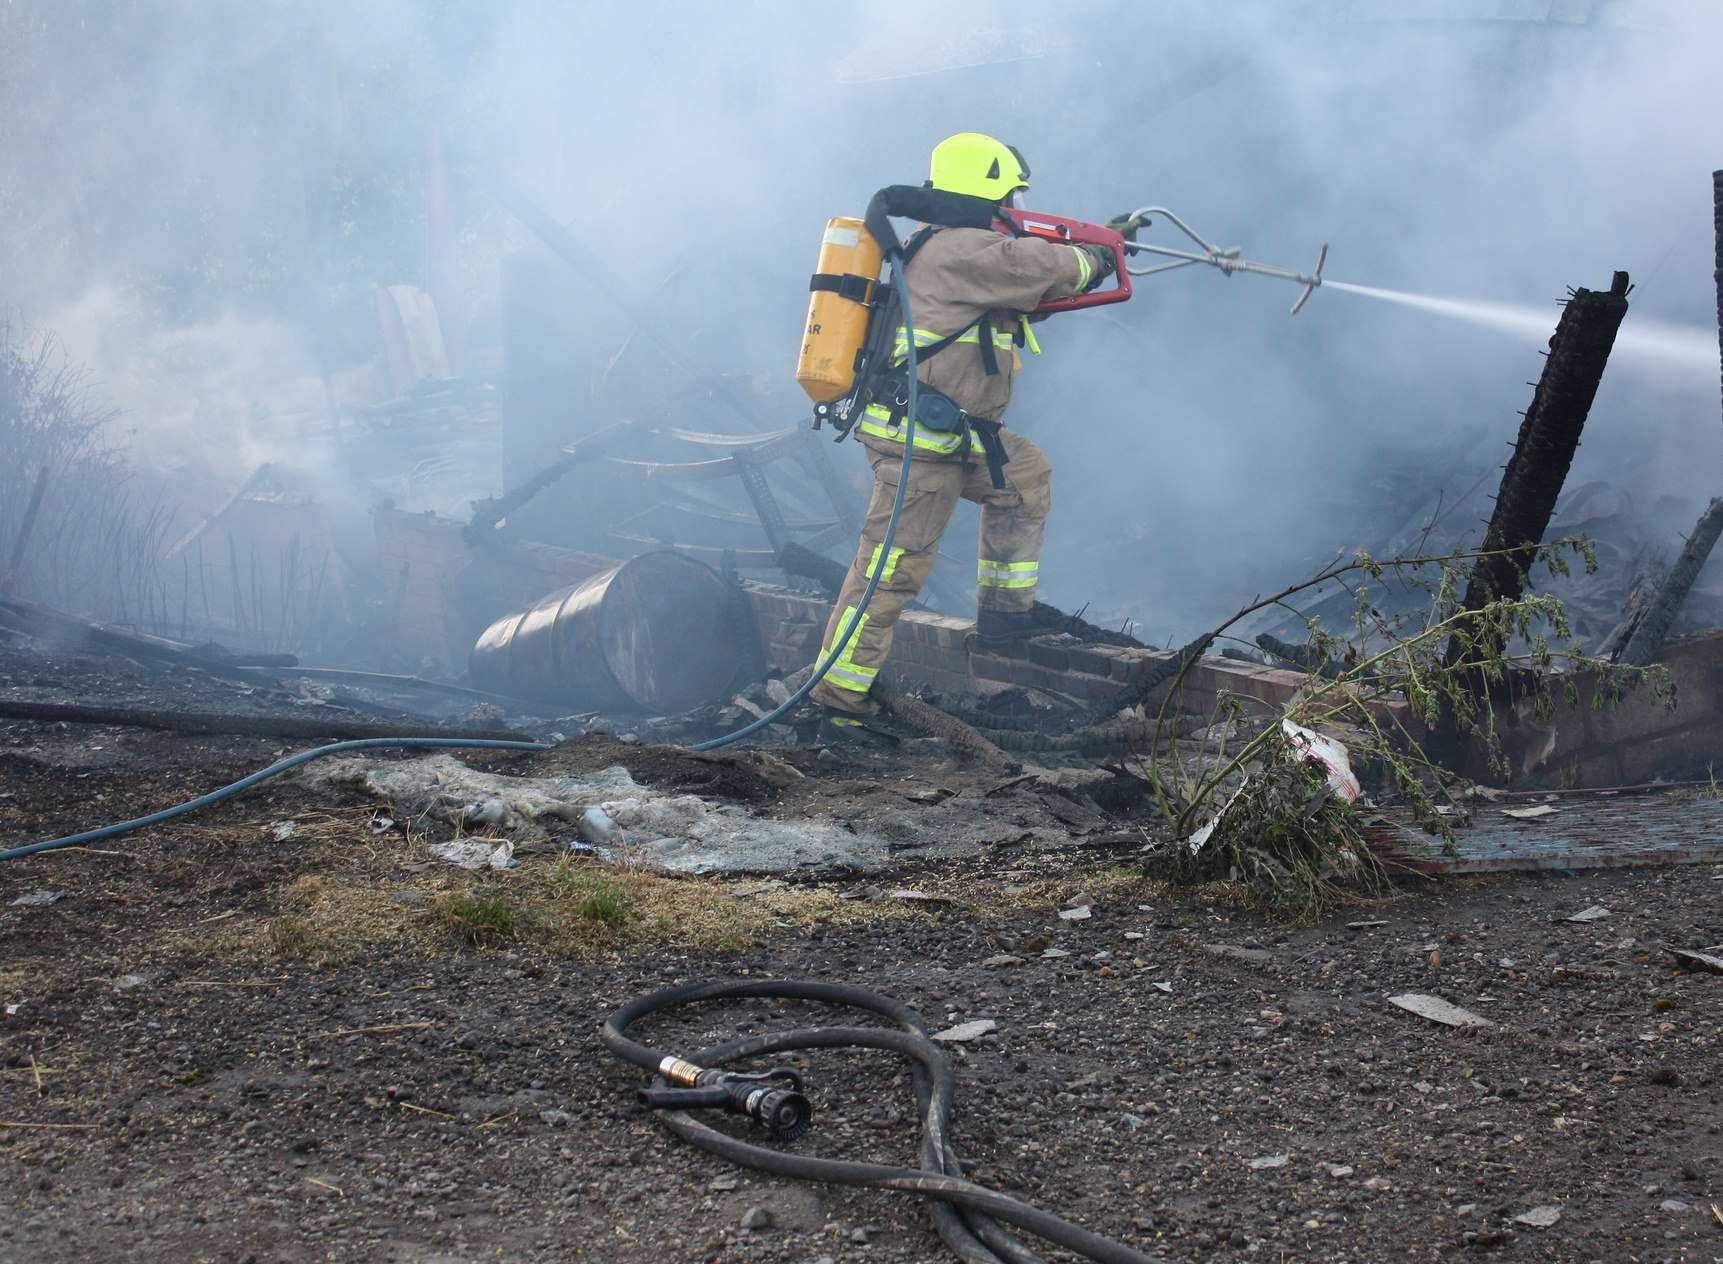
(173, 721)
(46, 622)
(1543, 452)
(489, 512)
(1653, 628)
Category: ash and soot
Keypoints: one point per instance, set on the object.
(505, 755)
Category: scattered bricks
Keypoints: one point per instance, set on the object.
(945, 681)
(1050, 656)
(1129, 670)
(1088, 658)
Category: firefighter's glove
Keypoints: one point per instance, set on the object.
(1126, 225)
(1101, 263)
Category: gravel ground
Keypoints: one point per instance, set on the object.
(213, 1105)
(181, 1081)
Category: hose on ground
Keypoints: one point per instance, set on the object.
(969, 1218)
(262, 774)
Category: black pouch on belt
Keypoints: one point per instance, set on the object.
(935, 410)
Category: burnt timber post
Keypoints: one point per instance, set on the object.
(1646, 643)
(1543, 452)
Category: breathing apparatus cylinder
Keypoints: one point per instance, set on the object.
(838, 309)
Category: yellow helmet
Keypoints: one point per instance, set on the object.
(977, 165)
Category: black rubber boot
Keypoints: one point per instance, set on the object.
(875, 731)
(1004, 627)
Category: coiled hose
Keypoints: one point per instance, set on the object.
(970, 1219)
(263, 774)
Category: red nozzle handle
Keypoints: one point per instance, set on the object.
(1071, 232)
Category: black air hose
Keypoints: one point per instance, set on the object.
(967, 1216)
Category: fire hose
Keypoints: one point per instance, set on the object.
(969, 1218)
(262, 774)
(841, 644)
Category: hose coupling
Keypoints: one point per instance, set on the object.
(772, 1099)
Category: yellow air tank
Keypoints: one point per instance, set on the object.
(838, 309)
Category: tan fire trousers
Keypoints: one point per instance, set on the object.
(1013, 519)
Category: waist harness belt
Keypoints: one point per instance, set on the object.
(938, 411)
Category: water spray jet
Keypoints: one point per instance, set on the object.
(1675, 346)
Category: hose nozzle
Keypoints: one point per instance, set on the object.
(772, 1099)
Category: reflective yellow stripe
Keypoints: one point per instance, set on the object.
(843, 678)
(1031, 344)
(927, 337)
(890, 564)
(1007, 574)
(1085, 269)
(876, 421)
(846, 673)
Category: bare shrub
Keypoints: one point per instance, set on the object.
(93, 545)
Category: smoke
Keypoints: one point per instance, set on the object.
(221, 195)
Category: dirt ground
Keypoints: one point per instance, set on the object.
(222, 1046)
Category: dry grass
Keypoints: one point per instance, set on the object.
(349, 891)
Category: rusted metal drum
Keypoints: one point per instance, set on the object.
(657, 634)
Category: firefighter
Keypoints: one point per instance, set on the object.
(970, 290)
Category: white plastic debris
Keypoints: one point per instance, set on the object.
(475, 855)
(597, 828)
(1200, 836)
(965, 1032)
(1332, 755)
(38, 899)
(1590, 914)
(1529, 814)
(1539, 1217)
(281, 831)
(1438, 1011)
(1268, 1161)
(489, 812)
(1689, 960)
